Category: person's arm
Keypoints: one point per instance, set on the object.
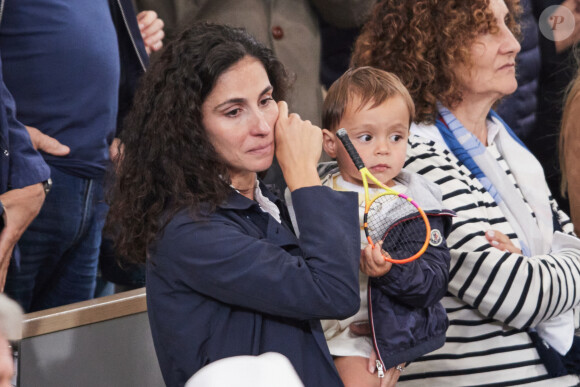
(298, 149)
(20, 207)
(27, 171)
(313, 277)
(27, 167)
(519, 291)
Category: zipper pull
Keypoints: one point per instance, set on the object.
(380, 372)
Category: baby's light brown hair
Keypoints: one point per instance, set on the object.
(365, 85)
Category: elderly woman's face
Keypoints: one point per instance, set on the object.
(239, 116)
(492, 70)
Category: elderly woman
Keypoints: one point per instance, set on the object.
(515, 268)
(226, 275)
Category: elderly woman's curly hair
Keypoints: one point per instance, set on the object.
(422, 42)
(167, 162)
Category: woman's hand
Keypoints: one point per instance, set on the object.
(372, 262)
(501, 241)
(298, 148)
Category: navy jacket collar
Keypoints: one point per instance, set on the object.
(237, 201)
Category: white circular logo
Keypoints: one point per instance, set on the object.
(557, 23)
(436, 237)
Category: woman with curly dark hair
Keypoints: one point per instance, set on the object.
(226, 275)
(515, 266)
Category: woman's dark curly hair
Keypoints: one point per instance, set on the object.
(168, 162)
(422, 41)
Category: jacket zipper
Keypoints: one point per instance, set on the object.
(379, 361)
(380, 371)
(131, 35)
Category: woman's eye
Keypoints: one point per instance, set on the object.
(266, 101)
(233, 112)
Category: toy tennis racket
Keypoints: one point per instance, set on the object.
(390, 217)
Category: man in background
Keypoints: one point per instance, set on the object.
(72, 68)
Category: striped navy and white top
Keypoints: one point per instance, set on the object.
(493, 295)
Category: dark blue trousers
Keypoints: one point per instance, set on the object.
(60, 249)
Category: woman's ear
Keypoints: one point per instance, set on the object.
(329, 142)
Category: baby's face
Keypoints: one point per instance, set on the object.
(379, 135)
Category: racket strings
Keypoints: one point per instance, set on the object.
(398, 224)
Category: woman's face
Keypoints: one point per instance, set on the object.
(239, 116)
(492, 71)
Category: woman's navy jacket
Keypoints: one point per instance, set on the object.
(240, 283)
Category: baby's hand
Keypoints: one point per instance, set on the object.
(372, 262)
(500, 241)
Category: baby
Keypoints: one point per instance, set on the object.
(401, 302)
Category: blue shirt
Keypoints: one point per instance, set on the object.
(61, 63)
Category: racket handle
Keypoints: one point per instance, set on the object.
(343, 136)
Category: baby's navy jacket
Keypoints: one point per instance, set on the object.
(407, 317)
